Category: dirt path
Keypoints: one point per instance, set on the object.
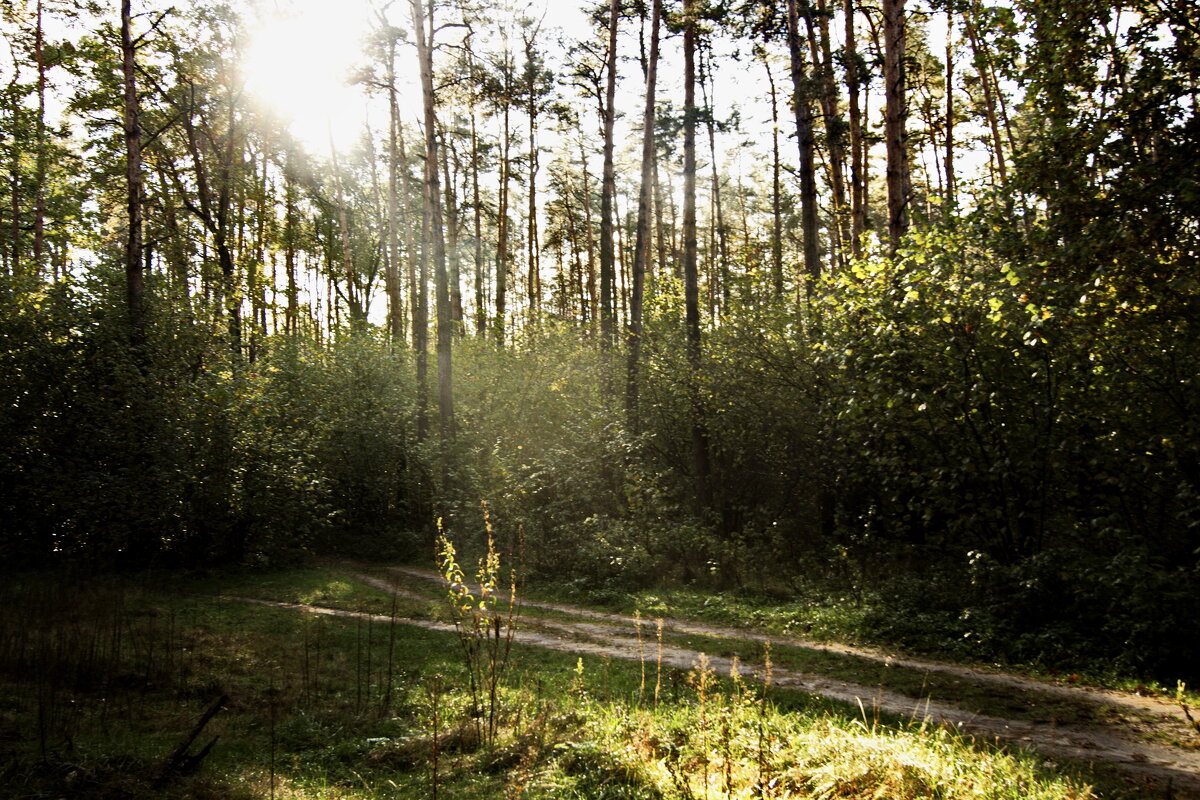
(1175, 769)
(1123, 700)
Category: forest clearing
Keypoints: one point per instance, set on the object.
(327, 691)
(600, 399)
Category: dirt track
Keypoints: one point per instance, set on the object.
(590, 632)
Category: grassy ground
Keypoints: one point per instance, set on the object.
(99, 682)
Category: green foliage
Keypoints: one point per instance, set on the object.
(996, 442)
(140, 463)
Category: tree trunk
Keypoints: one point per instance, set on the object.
(418, 296)
(502, 222)
(858, 173)
(641, 256)
(291, 317)
(804, 140)
(353, 304)
(818, 33)
(951, 187)
(621, 264)
(392, 278)
(535, 278)
(134, 284)
(608, 188)
(477, 206)
(660, 225)
(588, 237)
(233, 304)
(434, 223)
(691, 289)
(895, 128)
(722, 235)
(575, 283)
(14, 187)
(453, 260)
(981, 58)
(776, 188)
(176, 254)
(258, 296)
(39, 210)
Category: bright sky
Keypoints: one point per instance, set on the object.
(302, 53)
(301, 56)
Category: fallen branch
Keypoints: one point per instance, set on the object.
(179, 762)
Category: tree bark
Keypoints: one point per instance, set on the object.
(951, 186)
(608, 188)
(392, 278)
(453, 260)
(134, 278)
(589, 238)
(534, 282)
(804, 141)
(981, 58)
(418, 299)
(776, 188)
(819, 38)
(641, 257)
(435, 223)
(14, 188)
(477, 208)
(722, 234)
(291, 317)
(895, 128)
(858, 174)
(502, 217)
(39, 211)
(233, 301)
(660, 225)
(700, 459)
(353, 304)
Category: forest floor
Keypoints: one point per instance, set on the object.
(324, 694)
(1146, 737)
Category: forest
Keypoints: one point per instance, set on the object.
(876, 320)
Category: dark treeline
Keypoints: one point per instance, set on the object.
(926, 342)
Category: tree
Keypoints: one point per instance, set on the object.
(822, 56)
(391, 36)
(642, 241)
(608, 188)
(895, 128)
(701, 469)
(805, 142)
(502, 91)
(134, 278)
(776, 184)
(858, 174)
(434, 224)
(537, 84)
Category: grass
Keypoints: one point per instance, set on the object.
(331, 708)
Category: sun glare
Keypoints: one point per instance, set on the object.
(298, 65)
